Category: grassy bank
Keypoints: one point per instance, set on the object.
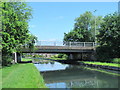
(26, 59)
(0, 79)
(102, 63)
(57, 58)
(103, 71)
(22, 76)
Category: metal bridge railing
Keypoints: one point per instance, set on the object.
(68, 44)
(80, 44)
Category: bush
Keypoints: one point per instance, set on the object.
(38, 56)
(6, 60)
(116, 60)
(104, 54)
(65, 56)
(60, 55)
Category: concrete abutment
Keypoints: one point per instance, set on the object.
(81, 56)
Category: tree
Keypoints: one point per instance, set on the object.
(31, 43)
(84, 28)
(15, 33)
(109, 37)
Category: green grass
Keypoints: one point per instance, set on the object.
(57, 58)
(26, 59)
(102, 63)
(0, 79)
(103, 71)
(22, 76)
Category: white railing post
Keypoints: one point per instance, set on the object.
(93, 44)
(70, 44)
(15, 57)
(84, 44)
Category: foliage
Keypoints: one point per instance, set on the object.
(6, 60)
(60, 57)
(15, 33)
(38, 56)
(31, 43)
(84, 28)
(109, 38)
(116, 60)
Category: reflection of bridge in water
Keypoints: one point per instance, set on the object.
(76, 76)
(66, 75)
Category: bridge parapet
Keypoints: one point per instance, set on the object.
(66, 44)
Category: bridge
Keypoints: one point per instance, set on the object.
(60, 47)
(74, 50)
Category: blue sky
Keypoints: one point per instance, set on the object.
(52, 19)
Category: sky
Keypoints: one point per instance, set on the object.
(50, 20)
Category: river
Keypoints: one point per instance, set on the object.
(58, 75)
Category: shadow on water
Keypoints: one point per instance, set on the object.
(57, 75)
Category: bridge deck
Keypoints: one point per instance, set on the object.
(63, 47)
(59, 49)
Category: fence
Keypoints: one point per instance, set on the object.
(68, 44)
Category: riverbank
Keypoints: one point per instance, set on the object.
(22, 76)
(104, 65)
(101, 63)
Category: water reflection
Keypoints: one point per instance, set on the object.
(57, 75)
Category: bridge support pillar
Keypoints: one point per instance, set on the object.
(70, 56)
(74, 56)
(81, 56)
(18, 57)
(14, 57)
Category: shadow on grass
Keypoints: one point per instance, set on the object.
(25, 62)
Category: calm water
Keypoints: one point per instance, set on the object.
(57, 75)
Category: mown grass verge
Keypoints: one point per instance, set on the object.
(0, 79)
(22, 76)
(57, 58)
(102, 63)
(103, 71)
(26, 59)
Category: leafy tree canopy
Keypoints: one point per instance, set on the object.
(15, 33)
(109, 36)
(84, 28)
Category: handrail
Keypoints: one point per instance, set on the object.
(68, 44)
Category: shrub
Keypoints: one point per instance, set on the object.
(6, 60)
(116, 60)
